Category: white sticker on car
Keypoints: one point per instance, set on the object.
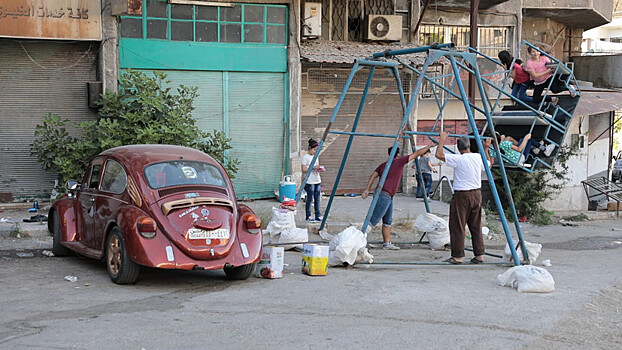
(197, 233)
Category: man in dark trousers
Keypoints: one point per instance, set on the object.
(384, 205)
(466, 203)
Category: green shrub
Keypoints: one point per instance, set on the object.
(530, 190)
(143, 111)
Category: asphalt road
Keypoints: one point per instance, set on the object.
(372, 307)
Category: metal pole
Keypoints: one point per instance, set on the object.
(350, 139)
(478, 140)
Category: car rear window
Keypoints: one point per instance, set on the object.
(176, 173)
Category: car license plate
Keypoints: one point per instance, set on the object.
(197, 233)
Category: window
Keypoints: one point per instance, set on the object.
(241, 23)
(114, 179)
(95, 171)
(491, 40)
(176, 173)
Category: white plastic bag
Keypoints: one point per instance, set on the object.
(293, 235)
(364, 256)
(344, 248)
(527, 279)
(436, 229)
(281, 219)
(533, 250)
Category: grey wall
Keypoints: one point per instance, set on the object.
(603, 71)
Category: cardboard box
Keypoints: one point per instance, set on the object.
(611, 206)
(315, 259)
(271, 263)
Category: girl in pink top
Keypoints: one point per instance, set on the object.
(542, 76)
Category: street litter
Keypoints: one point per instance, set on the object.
(546, 263)
(533, 249)
(485, 231)
(315, 259)
(271, 263)
(25, 255)
(37, 218)
(527, 279)
(5, 220)
(47, 253)
(567, 223)
(436, 229)
(71, 278)
(344, 248)
(326, 236)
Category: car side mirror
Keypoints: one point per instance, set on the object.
(73, 185)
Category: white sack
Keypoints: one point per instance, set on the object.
(533, 250)
(436, 228)
(345, 247)
(281, 219)
(527, 279)
(293, 235)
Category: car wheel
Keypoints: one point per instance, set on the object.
(239, 272)
(121, 268)
(57, 248)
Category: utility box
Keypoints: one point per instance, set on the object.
(312, 27)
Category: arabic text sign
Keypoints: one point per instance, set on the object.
(51, 19)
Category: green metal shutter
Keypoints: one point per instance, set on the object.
(250, 108)
(38, 78)
(208, 109)
(256, 127)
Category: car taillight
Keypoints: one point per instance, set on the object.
(146, 227)
(252, 223)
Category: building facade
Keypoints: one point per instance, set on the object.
(269, 72)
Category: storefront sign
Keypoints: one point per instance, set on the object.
(51, 19)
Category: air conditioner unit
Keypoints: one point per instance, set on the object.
(383, 27)
(313, 20)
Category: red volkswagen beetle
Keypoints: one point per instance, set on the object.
(163, 206)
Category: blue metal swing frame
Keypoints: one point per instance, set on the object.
(459, 60)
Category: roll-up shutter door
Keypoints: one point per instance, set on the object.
(250, 108)
(38, 78)
(208, 109)
(256, 117)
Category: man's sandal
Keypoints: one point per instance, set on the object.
(477, 261)
(453, 261)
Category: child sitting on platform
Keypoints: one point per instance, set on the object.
(517, 152)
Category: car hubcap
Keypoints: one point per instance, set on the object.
(114, 255)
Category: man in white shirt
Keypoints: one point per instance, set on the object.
(466, 203)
